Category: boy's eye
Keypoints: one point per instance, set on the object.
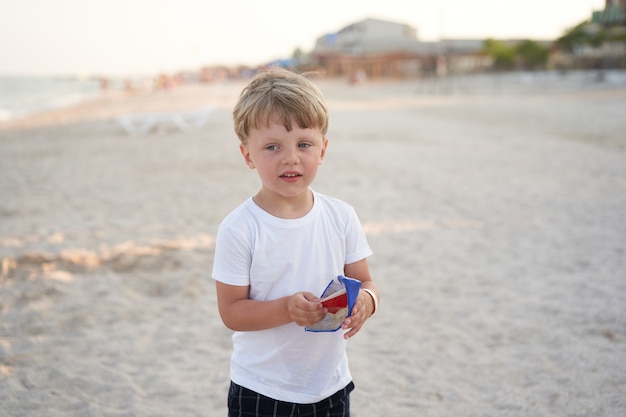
(304, 145)
(271, 147)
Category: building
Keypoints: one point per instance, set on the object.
(384, 49)
(613, 14)
(370, 36)
(612, 22)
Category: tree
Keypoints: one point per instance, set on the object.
(532, 55)
(503, 56)
(297, 54)
(583, 34)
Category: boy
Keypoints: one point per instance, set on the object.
(276, 253)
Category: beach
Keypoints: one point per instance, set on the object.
(495, 208)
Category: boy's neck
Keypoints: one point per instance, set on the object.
(285, 207)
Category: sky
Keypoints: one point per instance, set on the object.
(148, 37)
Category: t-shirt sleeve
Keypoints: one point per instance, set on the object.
(357, 247)
(233, 257)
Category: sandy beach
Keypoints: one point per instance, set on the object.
(496, 209)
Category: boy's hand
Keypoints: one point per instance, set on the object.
(360, 313)
(305, 309)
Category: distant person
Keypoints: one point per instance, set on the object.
(276, 253)
(359, 77)
(128, 85)
(104, 84)
(442, 67)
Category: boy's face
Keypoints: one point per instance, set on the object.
(287, 162)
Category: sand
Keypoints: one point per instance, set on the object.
(496, 208)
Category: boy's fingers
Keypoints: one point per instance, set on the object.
(309, 296)
(352, 332)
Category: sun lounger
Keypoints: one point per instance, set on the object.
(187, 121)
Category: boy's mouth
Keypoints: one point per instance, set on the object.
(290, 175)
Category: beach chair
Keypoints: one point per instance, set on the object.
(187, 121)
(191, 121)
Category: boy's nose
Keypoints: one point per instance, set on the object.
(290, 156)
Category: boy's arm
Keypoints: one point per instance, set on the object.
(240, 313)
(365, 305)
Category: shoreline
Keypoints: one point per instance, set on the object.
(396, 93)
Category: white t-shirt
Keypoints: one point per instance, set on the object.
(276, 258)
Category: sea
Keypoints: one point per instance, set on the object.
(24, 95)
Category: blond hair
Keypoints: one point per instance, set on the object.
(283, 94)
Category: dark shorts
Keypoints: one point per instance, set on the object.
(243, 402)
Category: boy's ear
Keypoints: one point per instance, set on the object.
(246, 155)
(324, 146)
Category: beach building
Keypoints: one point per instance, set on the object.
(597, 43)
(612, 19)
(613, 14)
(385, 49)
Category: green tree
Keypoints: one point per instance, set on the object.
(503, 56)
(297, 54)
(532, 55)
(578, 36)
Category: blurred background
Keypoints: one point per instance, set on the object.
(56, 54)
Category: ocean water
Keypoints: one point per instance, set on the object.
(20, 96)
